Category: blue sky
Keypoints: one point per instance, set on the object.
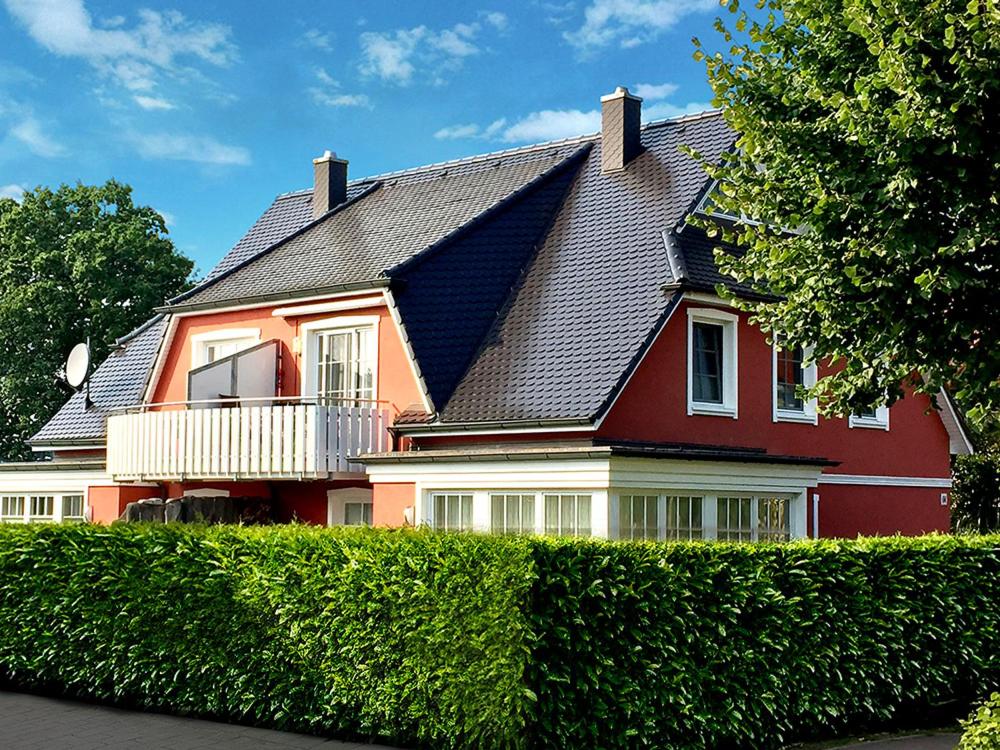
(209, 109)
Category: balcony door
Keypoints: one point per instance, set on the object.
(341, 363)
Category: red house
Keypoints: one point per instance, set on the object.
(523, 341)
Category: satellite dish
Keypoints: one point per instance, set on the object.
(78, 365)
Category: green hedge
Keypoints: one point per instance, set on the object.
(467, 641)
(401, 637)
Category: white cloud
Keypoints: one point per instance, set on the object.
(631, 22)
(497, 20)
(335, 98)
(152, 102)
(665, 110)
(653, 91)
(553, 124)
(134, 56)
(455, 132)
(12, 191)
(387, 55)
(168, 218)
(316, 38)
(395, 56)
(29, 132)
(201, 149)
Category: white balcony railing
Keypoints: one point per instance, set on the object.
(284, 441)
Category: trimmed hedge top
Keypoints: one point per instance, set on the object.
(465, 641)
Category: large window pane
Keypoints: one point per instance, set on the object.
(358, 514)
(735, 519)
(452, 512)
(72, 507)
(706, 371)
(638, 517)
(512, 514)
(345, 365)
(41, 507)
(567, 515)
(790, 376)
(684, 518)
(772, 519)
(12, 508)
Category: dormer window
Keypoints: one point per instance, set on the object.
(212, 346)
(712, 362)
(790, 375)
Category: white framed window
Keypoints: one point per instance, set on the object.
(451, 511)
(72, 507)
(351, 506)
(873, 419)
(789, 373)
(12, 509)
(712, 371)
(358, 514)
(568, 514)
(340, 360)
(753, 519)
(639, 517)
(512, 513)
(41, 507)
(684, 517)
(212, 346)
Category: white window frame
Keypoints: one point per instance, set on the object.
(809, 413)
(476, 524)
(730, 353)
(879, 422)
(310, 344)
(709, 510)
(336, 501)
(57, 506)
(246, 337)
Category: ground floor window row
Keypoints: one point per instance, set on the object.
(642, 516)
(41, 508)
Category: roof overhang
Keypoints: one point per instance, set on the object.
(266, 300)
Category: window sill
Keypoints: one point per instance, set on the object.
(869, 424)
(711, 410)
(798, 417)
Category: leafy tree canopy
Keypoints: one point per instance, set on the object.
(78, 262)
(873, 125)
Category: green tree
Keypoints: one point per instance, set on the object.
(78, 262)
(869, 150)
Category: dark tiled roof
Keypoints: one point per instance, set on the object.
(594, 293)
(696, 251)
(449, 297)
(403, 215)
(118, 382)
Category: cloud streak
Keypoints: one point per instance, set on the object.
(183, 147)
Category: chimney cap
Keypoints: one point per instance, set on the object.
(620, 92)
(328, 155)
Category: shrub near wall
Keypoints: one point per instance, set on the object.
(463, 641)
(406, 637)
(749, 646)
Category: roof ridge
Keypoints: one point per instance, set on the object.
(514, 150)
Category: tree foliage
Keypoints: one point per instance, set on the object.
(875, 126)
(77, 262)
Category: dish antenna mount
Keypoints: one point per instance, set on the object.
(78, 368)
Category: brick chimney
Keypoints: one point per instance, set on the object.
(621, 113)
(329, 183)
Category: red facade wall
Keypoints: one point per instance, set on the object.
(108, 503)
(850, 510)
(653, 407)
(390, 501)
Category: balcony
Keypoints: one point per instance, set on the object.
(272, 440)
